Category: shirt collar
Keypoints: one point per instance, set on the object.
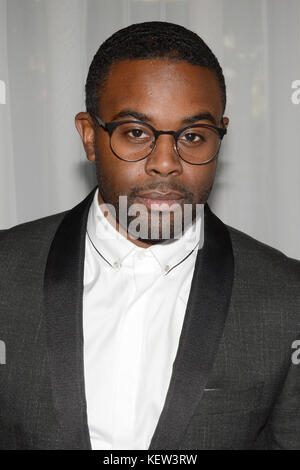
(114, 248)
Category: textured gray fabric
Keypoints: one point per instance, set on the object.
(251, 396)
(257, 401)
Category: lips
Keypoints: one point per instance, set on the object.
(161, 201)
(158, 195)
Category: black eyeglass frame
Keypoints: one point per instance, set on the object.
(111, 126)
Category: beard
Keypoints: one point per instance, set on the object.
(152, 226)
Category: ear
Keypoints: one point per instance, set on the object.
(225, 121)
(85, 127)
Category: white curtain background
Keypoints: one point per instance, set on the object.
(46, 47)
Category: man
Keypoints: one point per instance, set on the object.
(120, 337)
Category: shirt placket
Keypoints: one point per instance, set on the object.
(129, 345)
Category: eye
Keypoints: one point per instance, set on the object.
(136, 133)
(193, 138)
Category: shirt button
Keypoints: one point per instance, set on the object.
(141, 255)
(166, 269)
(116, 265)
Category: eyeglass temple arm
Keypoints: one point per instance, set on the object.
(99, 121)
(224, 129)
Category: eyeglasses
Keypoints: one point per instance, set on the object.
(133, 141)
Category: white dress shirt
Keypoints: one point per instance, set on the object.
(134, 304)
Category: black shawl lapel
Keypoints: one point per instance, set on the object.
(63, 291)
(202, 330)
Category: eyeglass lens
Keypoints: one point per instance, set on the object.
(134, 141)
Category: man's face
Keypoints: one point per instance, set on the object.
(168, 95)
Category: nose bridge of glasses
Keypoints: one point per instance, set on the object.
(157, 134)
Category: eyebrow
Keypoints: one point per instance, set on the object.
(203, 116)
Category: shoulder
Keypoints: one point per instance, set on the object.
(267, 280)
(27, 244)
(38, 229)
(260, 258)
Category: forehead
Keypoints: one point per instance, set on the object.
(162, 88)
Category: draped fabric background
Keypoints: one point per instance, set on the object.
(46, 47)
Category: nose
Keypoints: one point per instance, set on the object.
(164, 159)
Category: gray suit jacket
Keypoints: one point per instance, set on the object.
(233, 384)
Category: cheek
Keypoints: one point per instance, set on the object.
(128, 176)
(200, 177)
(107, 163)
(121, 175)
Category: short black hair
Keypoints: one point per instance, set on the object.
(148, 40)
